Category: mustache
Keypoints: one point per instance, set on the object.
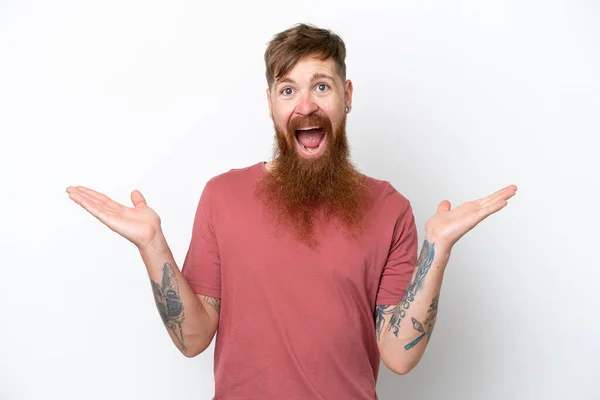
(306, 121)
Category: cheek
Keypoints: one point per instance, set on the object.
(281, 122)
(336, 120)
(281, 116)
(334, 110)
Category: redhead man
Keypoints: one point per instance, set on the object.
(304, 268)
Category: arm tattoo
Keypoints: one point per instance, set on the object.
(169, 303)
(429, 323)
(380, 311)
(423, 266)
(399, 311)
(214, 302)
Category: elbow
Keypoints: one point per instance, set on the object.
(189, 354)
(402, 363)
(401, 369)
(400, 366)
(193, 351)
(397, 365)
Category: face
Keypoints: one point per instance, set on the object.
(312, 169)
(310, 95)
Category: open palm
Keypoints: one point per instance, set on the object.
(447, 226)
(140, 224)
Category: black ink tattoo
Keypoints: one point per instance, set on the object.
(169, 303)
(214, 302)
(423, 265)
(429, 323)
(380, 311)
(417, 325)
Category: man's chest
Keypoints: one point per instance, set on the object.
(257, 252)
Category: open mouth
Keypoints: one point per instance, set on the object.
(310, 139)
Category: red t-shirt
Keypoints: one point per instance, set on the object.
(295, 322)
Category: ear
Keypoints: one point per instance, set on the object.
(348, 93)
(270, 103)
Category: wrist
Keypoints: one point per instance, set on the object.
(442, 250)
(158, 244)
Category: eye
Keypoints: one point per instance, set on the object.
(322, 87)
(287, 91)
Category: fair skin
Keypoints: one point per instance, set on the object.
(312, 86)
(404, 329)
(191, 330)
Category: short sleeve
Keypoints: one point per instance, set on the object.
(401, 261)
(202, 266)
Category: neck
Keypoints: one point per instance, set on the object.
(269, 166)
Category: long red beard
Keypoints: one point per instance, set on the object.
(296, 187)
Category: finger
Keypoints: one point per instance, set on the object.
(90, 206)
(137, 198)
(486, 200)
(444, 206)
(504, 193)
(97, 204)
(101, 198)
(87, 197)
(492, 208)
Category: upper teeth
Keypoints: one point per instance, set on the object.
(305, 129)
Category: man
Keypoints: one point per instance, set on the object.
(307, 268)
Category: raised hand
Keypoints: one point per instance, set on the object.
(447, 226)
(140, 224)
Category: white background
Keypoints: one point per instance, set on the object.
(453, 100)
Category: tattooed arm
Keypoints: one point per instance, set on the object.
(191, 320)
(404, 329)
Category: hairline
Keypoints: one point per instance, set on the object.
(277, 81)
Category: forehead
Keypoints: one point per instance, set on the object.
(308, 67)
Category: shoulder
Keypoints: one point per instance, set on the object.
(235, 179)
(386, 196)
(236, 176)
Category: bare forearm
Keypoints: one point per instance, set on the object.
(182, 313)
(405, 335)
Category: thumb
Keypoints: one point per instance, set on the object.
(444, 206)
(137, 199)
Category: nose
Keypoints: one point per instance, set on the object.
(306, 105)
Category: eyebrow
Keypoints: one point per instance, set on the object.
(316, 76)
(321, 76)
